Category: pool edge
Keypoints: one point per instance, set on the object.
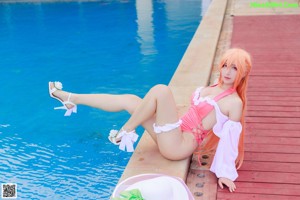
(194, 70)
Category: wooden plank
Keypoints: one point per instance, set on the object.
(270, 127)
(275, 63)
(273, 85)
(272, 140)
(279, 79)
(248, 196)
(287, 88)
(261, 73)
(273, 98)
(273, 93)
(267, 185)
(286, 55)
(271, 133)
(282, 77)
(275, 66)
(271, 58)
(269, 177)
(270, 167)
(273, 45)
(272, 148)
(269, 38)
(263, 67)
(251, 113)
(273, 103)
(273, 108)
(267, 73)
(272, 157)
(268, 188)
(273, 79)
(263, 25)
(271, 120)
(272, 34)
(261, 70)
(271, 50)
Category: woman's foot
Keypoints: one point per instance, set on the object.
(56, 92)
(124, 139)
(59, 94)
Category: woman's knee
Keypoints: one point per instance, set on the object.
(161, 90)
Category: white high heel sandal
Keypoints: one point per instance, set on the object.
(126, 139)
(58, 86)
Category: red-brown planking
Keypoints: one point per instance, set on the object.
(271, 168)
(272, 157)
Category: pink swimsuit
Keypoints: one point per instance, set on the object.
(226, 130)
(192, 120)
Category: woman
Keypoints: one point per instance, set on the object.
(219, 108)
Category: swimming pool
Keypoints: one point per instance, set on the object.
(92, 47)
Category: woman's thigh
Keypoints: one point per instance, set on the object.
(176, 145)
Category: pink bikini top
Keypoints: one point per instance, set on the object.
(226, 130)
(192, 120)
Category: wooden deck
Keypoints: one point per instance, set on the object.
(271, 169)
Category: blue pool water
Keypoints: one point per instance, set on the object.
(92, 47)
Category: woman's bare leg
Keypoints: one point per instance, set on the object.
(158, 106)
(107, 102)
(159, 102)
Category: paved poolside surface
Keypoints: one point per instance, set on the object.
(272, 156)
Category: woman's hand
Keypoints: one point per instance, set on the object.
(229, 183)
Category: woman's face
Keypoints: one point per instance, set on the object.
(228, 74)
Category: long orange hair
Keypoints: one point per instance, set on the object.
(242, 61)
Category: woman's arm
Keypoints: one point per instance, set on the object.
(235, 110)
(227, 151)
